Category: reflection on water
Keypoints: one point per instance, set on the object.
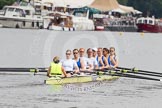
(30, 91)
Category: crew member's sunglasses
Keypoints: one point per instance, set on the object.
(75, 53)
(67, 53)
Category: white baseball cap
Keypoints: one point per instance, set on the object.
(94, 49)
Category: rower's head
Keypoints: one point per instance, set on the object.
(89, 52)
(99, 51)
(112, 51)
(75, 53)
(68, 54)
(94, 52)
(81, 52)
(105, 51)
(56, 59)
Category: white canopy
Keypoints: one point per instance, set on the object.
(127, 9)
(67, 3)
(72, 3)
(138, 12)
(105, 5)
(118, 10)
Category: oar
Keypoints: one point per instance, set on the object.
(34, 70)
(118, 73)
(141, 73)
(136, 70)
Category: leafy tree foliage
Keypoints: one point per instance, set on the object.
(148, 7)
(6, 2)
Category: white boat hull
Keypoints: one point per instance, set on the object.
(19, 22)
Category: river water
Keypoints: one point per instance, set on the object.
(35, 48)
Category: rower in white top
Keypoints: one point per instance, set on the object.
(91, 59)
(87, 65)
(70, 65)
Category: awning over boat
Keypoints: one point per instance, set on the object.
(67, 3)
(72, 3)
(138, 12)
(127, 9)
(105, 5)
(119, 11)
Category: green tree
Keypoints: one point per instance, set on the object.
(148, 7)
(6, 2)
(123, 2)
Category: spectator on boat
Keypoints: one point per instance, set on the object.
(62, 23)
(85, 60)
(56, 69)
(78, 60)
(101, 60)
(92, 60)
(69, 64)
(112, 59)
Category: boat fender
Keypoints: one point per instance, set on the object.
(73, 29)
(63, 29)
(69, 29)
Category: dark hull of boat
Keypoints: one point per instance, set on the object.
(121, 29)
(149, 28)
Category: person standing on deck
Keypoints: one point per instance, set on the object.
(78, 60)
(91, 59)
(112, 58)
(70, 65)
(56, 69)
(85, 60)
(102, 61)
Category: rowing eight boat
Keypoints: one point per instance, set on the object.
(79, 79)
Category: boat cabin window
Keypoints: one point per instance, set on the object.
(150, 22)
(11, 9)
(18, 10)
(79, 13)
(27, 12)
(145, 21)
(140, 21)
(2, 12)
(4, 9)
(21, 12)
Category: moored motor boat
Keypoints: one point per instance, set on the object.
(149, 25)
(20, 17)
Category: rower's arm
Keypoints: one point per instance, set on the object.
(115, 62)
(106, 63)
(48, 72)
(76, 69)
(82, 65)
(64, 72)
(101, 64)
